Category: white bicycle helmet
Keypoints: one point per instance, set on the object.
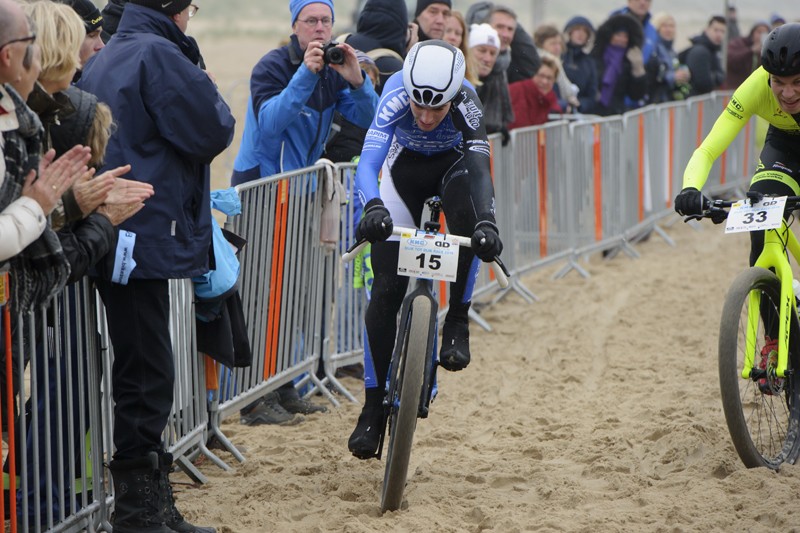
(433, 73)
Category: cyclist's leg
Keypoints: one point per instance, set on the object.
(403, 193)
(405, 184)
(461, 219)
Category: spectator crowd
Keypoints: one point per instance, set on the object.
(110, 121)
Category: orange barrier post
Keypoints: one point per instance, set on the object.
(542, 168)
(598, 184)
(442, 284)
(276, 280)
(10, 415)
(212, 375)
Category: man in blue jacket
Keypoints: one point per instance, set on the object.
(293, 96)
(172, 122)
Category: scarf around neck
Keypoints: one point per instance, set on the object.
(612, 58)
(41, 269)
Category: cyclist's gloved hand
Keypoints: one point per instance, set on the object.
(689, 202)
(376, 224)
(486, 241)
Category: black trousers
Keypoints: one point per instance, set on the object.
(144, 372)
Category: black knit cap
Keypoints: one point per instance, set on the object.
(88, 12)
(422, 5)
(168, 7)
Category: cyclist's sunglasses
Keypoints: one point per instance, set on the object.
(27, 61)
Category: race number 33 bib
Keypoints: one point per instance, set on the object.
(766, 214)
(429, 256)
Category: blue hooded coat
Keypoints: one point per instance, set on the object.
(171, 123)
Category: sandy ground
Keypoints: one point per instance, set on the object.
(595, 409)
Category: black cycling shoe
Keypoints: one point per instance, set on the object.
(366, 437)
(454, 354)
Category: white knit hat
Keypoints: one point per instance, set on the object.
(483, 34)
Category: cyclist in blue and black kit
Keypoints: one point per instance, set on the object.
(427, 139)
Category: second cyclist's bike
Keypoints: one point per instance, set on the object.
(759, 337)
(411, 383)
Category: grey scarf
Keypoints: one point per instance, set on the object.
(41, 269)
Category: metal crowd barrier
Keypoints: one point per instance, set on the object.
(564, 190)
(57, 395)
(283, 273)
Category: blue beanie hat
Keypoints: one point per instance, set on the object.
(296, 6)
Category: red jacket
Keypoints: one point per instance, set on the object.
(531, 107)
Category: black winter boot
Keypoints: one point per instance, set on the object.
(172, 517)
(136, 496)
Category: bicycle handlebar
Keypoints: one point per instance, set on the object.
(717, 210)
(498, 267)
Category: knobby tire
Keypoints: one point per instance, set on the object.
(763, 427)
(403, 418)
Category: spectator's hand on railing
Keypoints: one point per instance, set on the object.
(55, 177)
(119, 213)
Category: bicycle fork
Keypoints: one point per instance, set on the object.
(774, 244)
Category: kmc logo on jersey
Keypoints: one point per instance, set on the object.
(393, 103)
(471, 113)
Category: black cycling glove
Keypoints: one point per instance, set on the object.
(689, 202)
(376, 225)
(486, 241)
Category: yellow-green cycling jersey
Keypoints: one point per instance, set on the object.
(753, 97)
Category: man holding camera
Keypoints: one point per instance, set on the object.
(294, 91)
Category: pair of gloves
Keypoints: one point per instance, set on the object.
(376, 225)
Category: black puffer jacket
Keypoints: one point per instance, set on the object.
(703, 60)
(86, 241)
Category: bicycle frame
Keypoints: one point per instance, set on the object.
(774, 257)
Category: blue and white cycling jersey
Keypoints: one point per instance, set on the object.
(394, 128)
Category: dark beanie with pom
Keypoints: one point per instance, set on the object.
(168, 7)
(422, 5)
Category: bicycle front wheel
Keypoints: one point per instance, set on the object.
(405, 403)
(762, 414)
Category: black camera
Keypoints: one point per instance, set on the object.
(332, 54)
